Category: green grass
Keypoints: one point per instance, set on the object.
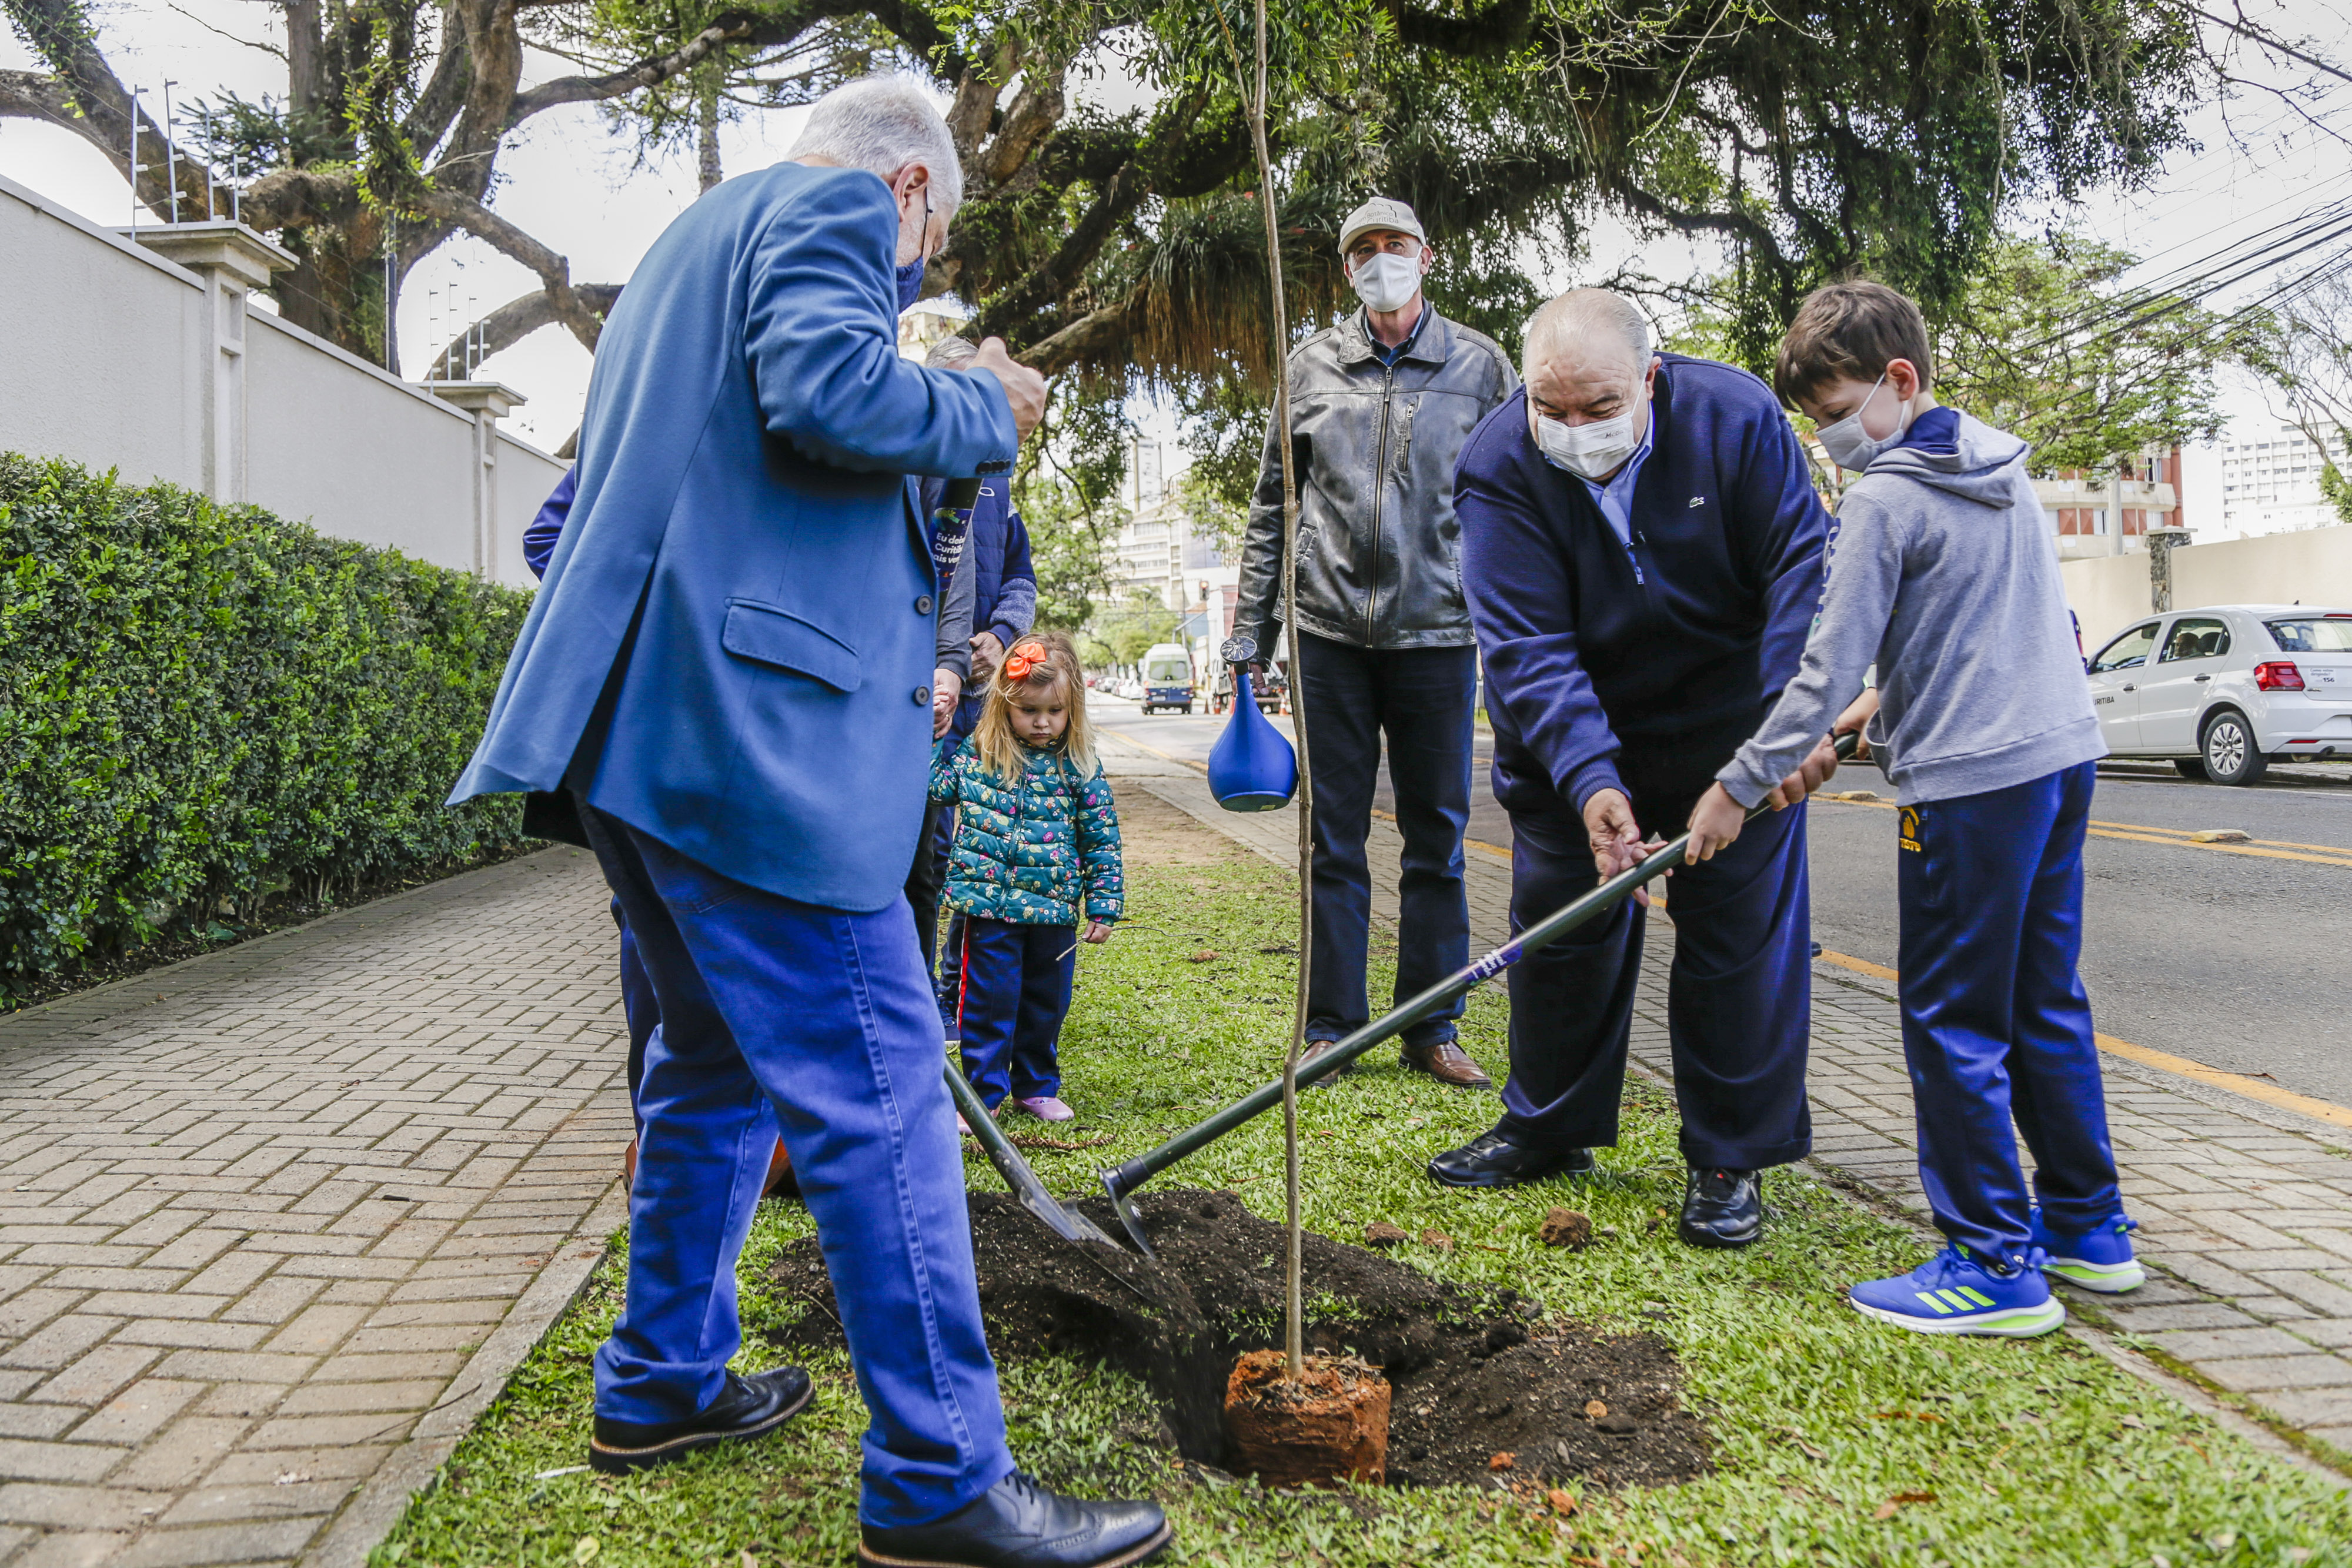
(2036, 1453)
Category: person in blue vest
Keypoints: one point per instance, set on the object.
(1641, 550)
(994, 602)
(729, 670)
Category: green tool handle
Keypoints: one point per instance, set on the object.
(992, 1141)
(1123, 1179)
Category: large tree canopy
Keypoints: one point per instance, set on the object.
(1111, 227)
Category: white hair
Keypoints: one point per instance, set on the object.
(951, 353)
(881, 124)
(1571, 316)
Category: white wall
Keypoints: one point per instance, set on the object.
(2313, 566)
(106, 355)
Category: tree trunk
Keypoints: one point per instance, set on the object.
(707, 134)
(1294, 1314)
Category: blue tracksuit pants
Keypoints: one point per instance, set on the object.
(1738, 1002)
(639, 1005)
(1013, 991)
(1996, 1025)
(1422, 700)
(825, 1017)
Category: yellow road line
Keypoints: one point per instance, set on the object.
(2238, 1083)
(2176, 838)
(2266, 843)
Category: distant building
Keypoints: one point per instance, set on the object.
(2270, 483)
(2108, 513)
(1157, 549)
(925, 324)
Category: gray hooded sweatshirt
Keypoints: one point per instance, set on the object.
(1943, 573)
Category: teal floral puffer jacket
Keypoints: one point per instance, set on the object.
(1040, 851)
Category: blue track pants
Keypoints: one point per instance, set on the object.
(1738, 1001)
(1013, 992)
(826, 1017)
(1996, 1025)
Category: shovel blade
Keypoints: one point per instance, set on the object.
(1026, 1186)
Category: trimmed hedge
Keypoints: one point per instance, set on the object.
(204, 707)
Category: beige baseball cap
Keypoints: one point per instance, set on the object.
(1381, 213)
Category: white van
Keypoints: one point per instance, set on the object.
(1167, 677)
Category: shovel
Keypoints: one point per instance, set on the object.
(1060, 1218)
(1121, 1181)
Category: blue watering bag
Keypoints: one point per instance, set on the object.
(1251, 768)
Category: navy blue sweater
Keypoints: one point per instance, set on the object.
(1582, 662)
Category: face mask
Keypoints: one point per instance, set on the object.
(1587, 450)
(1387, 282)
(910, 276)
(1850, 446)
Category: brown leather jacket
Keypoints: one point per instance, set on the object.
(1379, 549)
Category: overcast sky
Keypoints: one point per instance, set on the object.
(575, 186)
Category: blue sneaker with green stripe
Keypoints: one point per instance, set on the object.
(1953, 1293)
(2100, 1258)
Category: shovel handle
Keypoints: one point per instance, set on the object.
(1122, 1180)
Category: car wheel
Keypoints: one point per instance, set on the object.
(2230, 756)
(2191, 767)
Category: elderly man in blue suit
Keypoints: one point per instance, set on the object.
(729, 670)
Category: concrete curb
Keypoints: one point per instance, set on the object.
(411, 1469)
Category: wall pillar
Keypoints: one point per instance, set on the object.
(2161, 545)
(233, 261)
(487, 401)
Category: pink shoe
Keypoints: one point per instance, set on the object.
(962, 1126)
(1047, 1108)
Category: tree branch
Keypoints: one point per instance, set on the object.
(760, 29)
(516, 320)
(554, 271)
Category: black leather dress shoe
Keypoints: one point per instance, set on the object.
(746, 1408)
(1016, 1523)
(1722, 1209)
(1493, 1159)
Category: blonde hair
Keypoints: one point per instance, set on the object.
(1000, 750)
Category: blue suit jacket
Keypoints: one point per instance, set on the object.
(732, 647)
(1582, 661)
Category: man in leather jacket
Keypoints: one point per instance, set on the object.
(1380, 406)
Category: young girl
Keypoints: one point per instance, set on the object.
(1036, 856)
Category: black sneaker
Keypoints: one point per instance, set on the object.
(1016, 1523)
(1722, 1208)
(746, 1408)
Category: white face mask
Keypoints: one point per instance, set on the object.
(1589, 451)
(1850, 446)
(1387, 282)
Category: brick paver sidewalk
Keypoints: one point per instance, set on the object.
(276, 1222)
(2245, 1207)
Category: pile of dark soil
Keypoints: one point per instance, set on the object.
(1487, 1388)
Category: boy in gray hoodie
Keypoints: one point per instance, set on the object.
(1943, 573)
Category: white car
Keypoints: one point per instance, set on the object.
(2226, 690)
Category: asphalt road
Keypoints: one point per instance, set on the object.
(2239, 960)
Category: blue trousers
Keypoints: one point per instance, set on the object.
(825, 1017)
(1996, 1025)
(1738, 1001)
(1013, 992)
(1422, 700)
(639, 1005)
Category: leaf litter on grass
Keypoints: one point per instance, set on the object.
(2034, 1463)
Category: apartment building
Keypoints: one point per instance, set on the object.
(2270, 482)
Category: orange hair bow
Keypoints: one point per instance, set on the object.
(1026, 656)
